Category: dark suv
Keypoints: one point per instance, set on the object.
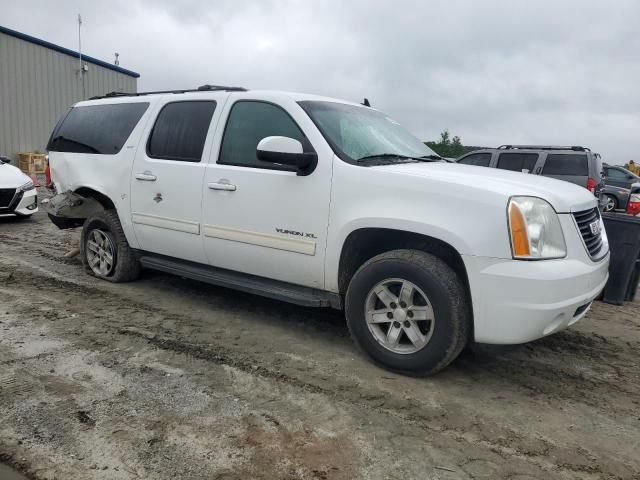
(577, 165)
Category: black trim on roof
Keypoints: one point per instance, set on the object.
(202, 88)
(66, 51)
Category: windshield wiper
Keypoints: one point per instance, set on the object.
(383, 156)
(432, 157)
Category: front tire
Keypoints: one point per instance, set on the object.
(105, 251)
(409, 311)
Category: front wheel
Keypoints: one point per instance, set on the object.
(105, 251)
(409, 311)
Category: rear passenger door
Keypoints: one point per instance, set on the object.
(525, 162)
(168, 171)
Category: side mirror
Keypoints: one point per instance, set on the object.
(287, 151)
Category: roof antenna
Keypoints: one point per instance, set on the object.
(117, 62)
(366, 103)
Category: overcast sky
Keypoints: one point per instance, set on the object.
(493, 72)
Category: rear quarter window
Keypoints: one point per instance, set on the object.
(566, 164)
(478, 159)
(98, 129)
(517, 162)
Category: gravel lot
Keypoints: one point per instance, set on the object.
(167, 378)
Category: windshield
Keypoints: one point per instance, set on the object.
(357, 133)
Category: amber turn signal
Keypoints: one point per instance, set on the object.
(519, 237)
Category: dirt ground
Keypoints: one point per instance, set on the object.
(167, 378)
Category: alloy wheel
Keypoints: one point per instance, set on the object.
(399, 316)
(101, 253)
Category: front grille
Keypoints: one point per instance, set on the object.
(592, 241)
(6, 195)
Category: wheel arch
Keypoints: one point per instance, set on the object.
(365, 243)
(91, 192)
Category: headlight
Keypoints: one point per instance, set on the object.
(535, 229)
(27, 186)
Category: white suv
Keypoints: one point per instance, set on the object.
(323, 202)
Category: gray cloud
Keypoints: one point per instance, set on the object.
(562, 72)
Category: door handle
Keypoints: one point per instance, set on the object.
(222, 185)
(146, 176)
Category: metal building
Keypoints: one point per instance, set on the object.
(39, 81)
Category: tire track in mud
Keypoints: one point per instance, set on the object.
(434, 420)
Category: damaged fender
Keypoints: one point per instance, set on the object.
(68, 209)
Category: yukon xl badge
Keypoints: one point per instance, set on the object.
(595, 228)
(293, 232)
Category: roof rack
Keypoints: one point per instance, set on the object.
(202, 88)
(575, 148)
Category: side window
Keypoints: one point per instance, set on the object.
(615, 173)
(517, 161)
(99, 129)
(180, 131)
(479, 159)
(248, 123)
(566, 164)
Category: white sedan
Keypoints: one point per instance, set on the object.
(18, 195)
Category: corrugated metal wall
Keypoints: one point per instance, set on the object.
(37, 85)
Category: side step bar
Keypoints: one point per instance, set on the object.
(305, 296)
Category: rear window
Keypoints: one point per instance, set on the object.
(517, 161)
(566, 164)
(99, 129)
(180, 131)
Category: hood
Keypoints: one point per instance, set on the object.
(11, 177)
(564, 196)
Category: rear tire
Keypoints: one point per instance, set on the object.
(105, 251)
(392, 336)
(610, 203)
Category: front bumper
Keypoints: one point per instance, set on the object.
(24, 203)
(519, 301)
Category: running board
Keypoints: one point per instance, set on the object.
(266, 287)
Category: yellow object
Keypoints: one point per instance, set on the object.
(30, 162)
(519, 237)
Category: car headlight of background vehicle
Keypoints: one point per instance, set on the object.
(535, 229)
(27, 186)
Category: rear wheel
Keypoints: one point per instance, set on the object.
(610, 203)
(408, 311)
(105, 251)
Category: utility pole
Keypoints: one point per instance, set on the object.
(81, 69)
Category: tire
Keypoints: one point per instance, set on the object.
(611, 203)
(105, 225)
(445, 336)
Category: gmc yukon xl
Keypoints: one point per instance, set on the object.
(326, 203)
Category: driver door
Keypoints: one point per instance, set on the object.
(258, 217)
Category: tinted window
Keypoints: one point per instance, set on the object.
(479, 159)
(517, 161)
(100, 129)
(248, 123)
(615, 173)
(566, 164)
(180, 131)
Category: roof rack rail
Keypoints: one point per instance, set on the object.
(575, 148)
(201, 88)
